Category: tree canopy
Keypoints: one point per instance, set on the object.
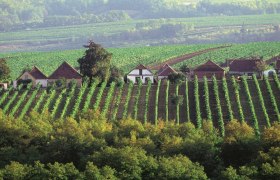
(96, 62)
(4, 70)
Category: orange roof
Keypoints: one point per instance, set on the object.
(66, 71)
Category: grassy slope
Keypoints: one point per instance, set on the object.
(127, 58)
(124, 58)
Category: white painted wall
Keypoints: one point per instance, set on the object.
(15, 84)
(143, 78)
(43, 82)
(137, 72)
(146, 72)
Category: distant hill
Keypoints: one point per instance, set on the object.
(16, 14)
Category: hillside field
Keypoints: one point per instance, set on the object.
(149, 103)
(127, 58)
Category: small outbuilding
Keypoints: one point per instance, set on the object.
(165, 71)
(34, 76)
(142, 73)
(67, 72)
(209, 69)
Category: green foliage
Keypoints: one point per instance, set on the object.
(9, 103)
(218, 104)
(48, 101)
(96, 62)
(29, 102)
(187, 101)
(272, 98)
(252, 107)
(69, 96)
(178, 101)
(240, 144)
(206, 99)
(79, 99)
(176, 78)
(135, 109)
(91, 147)
(237, 98)
(57, 103)
(261, 100)
(4, 70)
(197, 103)
(5, 95)
(99, 95)
(179, 167)
(39, 101)
(156, 103)
(277, 81)
(228, 102)
(166, 101)
(147, 101)
(20, 101)
(129, 92)
(108, 98)
(89, 96)
(117, 102)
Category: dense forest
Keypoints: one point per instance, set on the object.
(91, 147)
(16, 14)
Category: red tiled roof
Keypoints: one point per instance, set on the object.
(166, 70)
(243, 65)
(66, 71)
(278, 64)
(141, 66)
(162, 68)
(37, 74)
(209, 66)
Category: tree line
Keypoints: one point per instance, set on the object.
(44, 13)
(91, 147)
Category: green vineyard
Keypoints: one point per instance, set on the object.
(127, 58)
(254, 101)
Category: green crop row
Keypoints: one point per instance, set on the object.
(218, 106)
(252, 107)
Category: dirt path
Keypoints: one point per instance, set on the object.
(182, 58)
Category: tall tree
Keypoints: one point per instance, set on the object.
(96, 62)
(4, 70)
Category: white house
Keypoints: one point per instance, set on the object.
(142, 73)
(35, 76)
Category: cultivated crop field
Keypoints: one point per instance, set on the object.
(128, 58)
(254, 101)
(70, 34)
(124, 58)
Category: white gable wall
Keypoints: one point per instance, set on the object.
(143, 78)
(137, 72)
(146, 72)
(43, 82)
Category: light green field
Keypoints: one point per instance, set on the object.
(45, 35)
(127, 58)
(124, 58)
